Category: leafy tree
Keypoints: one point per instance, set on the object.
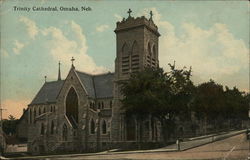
(9, 125)
(141, 94)
(161, 95)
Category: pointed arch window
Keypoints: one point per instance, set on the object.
(34, 115)
(39, 111)
(110, 104)
(154, 56)
(52, 127)
(92, 126)
(125, 49)
(149, 55)
(65, 132)
(72, 106)
(99, 105)
(125, 59)
(149, 49)
(44, 110)
(102, 105)
(104, 127)
(135, 57)
(42, 129)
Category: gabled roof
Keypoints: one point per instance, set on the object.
(87, 81)
(48, 92)
(97, 86)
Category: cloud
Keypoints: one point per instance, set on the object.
(14, 107)
(62, 48)
(212, 53)
(18, 47)
(102, 28)
(4, 53)
(32, 29)
(118, 17)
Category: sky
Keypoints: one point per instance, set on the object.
(210, 36)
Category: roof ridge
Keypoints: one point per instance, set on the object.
(53, 81)
(98, 74)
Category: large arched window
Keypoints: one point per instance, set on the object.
(104, 127)
(65, 132)
(72, 106)
(52, 127)
(92, 126)
(42, 129)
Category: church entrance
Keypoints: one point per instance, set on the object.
(131, 129)
(72, 107)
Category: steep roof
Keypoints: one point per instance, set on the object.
(97, 86)
(104, 85)
(48, 92)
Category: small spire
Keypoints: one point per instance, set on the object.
(45, 78)
(151, 15)
(129, 12)
(72, 60)
(59, 72)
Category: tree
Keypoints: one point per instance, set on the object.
(141, 94)
(9, 125)
(159, 94)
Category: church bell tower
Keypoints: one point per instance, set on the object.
(136, 45)
(136, 48)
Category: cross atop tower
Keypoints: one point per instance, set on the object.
(151, 15)
(45, 78)
(72, 60)
(129, 12)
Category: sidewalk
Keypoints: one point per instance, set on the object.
(171, 148)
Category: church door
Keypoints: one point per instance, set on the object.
(72, 107)
(131, 129)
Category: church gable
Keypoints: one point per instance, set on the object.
(97, 86)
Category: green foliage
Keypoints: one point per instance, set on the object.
(167, 95)
(9, 125)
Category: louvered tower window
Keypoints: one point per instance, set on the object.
(125, 59)
(148, 64)
(135, 57)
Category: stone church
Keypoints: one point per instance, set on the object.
(83, 113)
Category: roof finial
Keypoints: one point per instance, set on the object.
(59, 72)
(151, 15)
(129, 12)
(72, 60)
(45, 78)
